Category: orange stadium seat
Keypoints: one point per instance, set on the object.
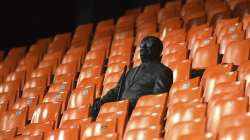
(224, 107)
(46, 112)
(184, 85)
(18, 77)
(26, 103)
(189, 94)
(240, 132)
(41, 129)
(64, 134)
(38, 137)
(13, 121)
(237, 52)
(143, 134)
(215, 79)
(181, 70)
(75, 113)
(81, 96)
(33, 93)
(100, 128)
(185, 128)
(110, 136)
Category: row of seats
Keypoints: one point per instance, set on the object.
(47, 92)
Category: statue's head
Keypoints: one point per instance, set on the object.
(150, 49)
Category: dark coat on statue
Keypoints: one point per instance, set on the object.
(151, 77)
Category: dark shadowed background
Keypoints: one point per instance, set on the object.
(23, 21)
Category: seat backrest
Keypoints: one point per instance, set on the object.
(185, 95)
(206, 56)
(121, 118)
(14, 119)
(181, 70)
(110, 136)
(89, 72)
(46, 112)
(236, 87)
(100, 128)
(29, 103)
(225, 107)
(38, 137)
(184, 112)
(237, 52)
(219, 68)
(68, 68)
(112, 77)
(143, 134)
(240, 132)
(76, 123)
(82, 96)
(198, 136)
(217, 78)
(141, 122)
(152, 100)
(184, 128)
(36, 82)
(115, 107)
(75, 113)
(184, 85)
(64, 134)
(147, 110)
(234, 120)
(38, 129)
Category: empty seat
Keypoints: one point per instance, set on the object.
(77, 123)
(224, 107)
(100, 128)
(152, 100)
(81, 96)
(174, 57)
(198, 136)
(97, 81)
(110, 136)
(181, 70)
(37, 82)
(185, 95)
(47, 112)
(147, 110)
(68, 68)
(26, 103)
(28, 138)
(41, 129)
(184, 85)
(33, 93)
(75, 113)
(13, 120)
(184, 128)
(143, 134)
(230, 87)
(240, 132)
(115, 110)
(43, 72)
(234, 120)
(237, 52)
(89, 72)
(64, 134)
(219, 68)
(205, 57)
(214, 79)
(18, 77)
(187, 111)
(142, 122)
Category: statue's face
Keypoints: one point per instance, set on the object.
(146, 52)
(150, 49)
